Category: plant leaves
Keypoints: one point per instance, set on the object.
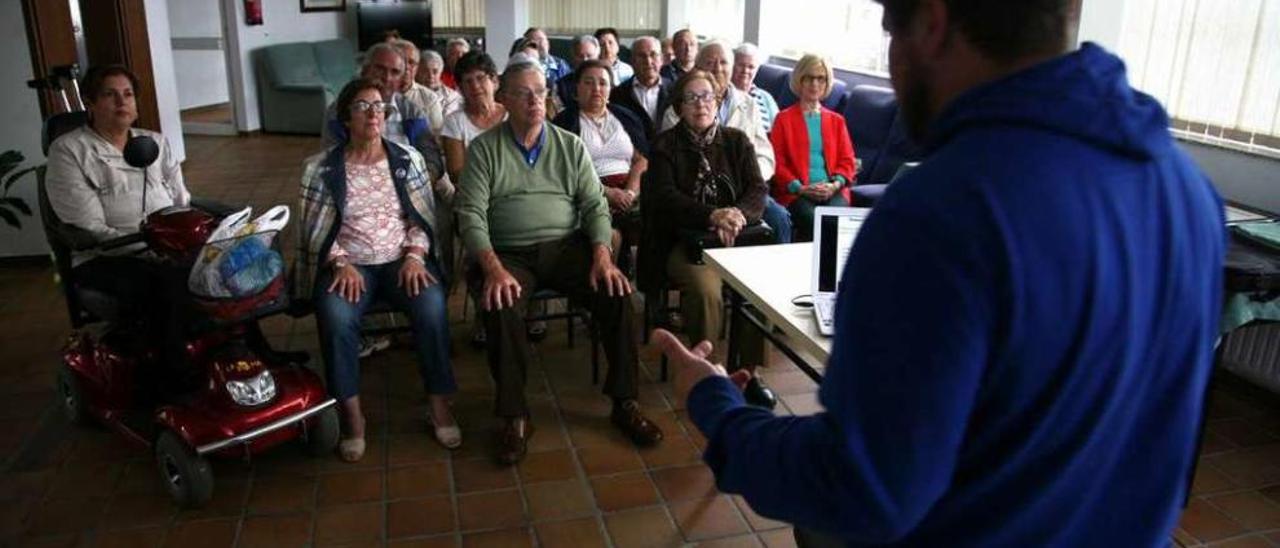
(14, 178)
(18, 204)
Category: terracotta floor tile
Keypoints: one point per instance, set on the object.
(1206, 523)
(442, 541)
(643, 528)
(482, 475)
(574, 533)
(65, 540)
(1251, 509)
(601, 460)
(1251, 468)
(349, 487)
(91, 479)
(277, 495)
(130, 538)
(676, 449)
(64, 515)
(780, 538)
(614, 493)
(140, 478)
(196, 534)
(138, 510)
(506, 538)
(228, 501)
(1241, 432)
(708, 518)
(418, 480)
(559, 500)
(743, 541)
(1272, 493)
(1252, 541)
(685, 483)
(490, 510)
(416, 517)
(1215, 443)
(803, 404)
(1210, 480)
(349, 524)
(548, 466)
(272, 531)
(1183, 538)
(757, 522)
(411, 449)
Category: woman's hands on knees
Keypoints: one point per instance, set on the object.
(414, 278)
(348, 282)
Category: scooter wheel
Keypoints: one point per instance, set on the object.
(185, 474)
(322, 434)
(71, 394)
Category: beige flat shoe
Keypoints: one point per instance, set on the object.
(351, 450)
(448, 436)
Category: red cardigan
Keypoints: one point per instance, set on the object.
(790, 139)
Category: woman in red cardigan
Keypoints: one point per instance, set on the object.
(815, 165)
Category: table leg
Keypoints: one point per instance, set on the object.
(733, 357)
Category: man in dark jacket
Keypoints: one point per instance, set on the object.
(647, 94)
(1026, 321)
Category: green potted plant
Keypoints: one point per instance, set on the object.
(11, 206)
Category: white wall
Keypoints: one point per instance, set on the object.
(20, 110)
(282, 22)
(162, 70)
(503, 21)
(201, 74)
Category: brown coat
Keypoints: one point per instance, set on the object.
(668, 203)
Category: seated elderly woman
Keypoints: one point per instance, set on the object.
(430, 74)
(702, 177)
(91, 188)
(615, 140)
(815, 164)
(368, 224)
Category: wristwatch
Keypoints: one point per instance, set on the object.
(339, 263)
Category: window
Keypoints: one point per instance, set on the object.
(585, 16)
(1214, 65)
(721, 19)
(458, 13)
(847, 32)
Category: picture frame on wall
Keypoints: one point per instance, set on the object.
(323, 5)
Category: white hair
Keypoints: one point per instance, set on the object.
(379, 48)
(657, 44)
(747, 49)
(430, 56)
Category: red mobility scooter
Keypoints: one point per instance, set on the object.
(240, 398)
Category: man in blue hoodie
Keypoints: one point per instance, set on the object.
(1025, 325)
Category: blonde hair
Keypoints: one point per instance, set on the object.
(807, 64)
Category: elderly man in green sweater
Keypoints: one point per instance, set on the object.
(532, 214)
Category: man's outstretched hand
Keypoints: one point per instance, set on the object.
(691, 364)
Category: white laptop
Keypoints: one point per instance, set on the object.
(834, 229)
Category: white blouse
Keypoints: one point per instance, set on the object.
(608, 144)
(459, 127)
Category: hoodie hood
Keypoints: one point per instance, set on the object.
(1084, 95)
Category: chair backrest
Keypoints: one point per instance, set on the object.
(61, 255)
(58, 125)
(777, 81)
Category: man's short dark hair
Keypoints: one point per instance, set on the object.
(600, 32)
(1003, 30)
(95, 76)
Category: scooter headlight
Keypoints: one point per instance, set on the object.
(254, 391)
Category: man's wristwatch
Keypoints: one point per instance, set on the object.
(415, 257)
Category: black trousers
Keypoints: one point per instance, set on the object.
(562, 265)
(147, 291)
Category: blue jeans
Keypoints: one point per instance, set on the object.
(339, 325)
(778, 218)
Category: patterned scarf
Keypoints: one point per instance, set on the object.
(705, 189)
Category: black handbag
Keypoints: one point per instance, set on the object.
(758, 233)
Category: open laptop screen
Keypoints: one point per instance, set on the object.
(838, 229)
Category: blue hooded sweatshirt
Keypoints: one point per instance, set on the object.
(1023, 335)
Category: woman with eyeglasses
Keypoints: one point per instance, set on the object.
(815, 163)
(702, 176)
(615, 140)
(368, 229)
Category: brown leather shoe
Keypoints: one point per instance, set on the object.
(642, 431)
(513, 442)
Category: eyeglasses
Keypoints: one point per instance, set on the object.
(813, 79)
(705, 98)
(529, 95)
(363, 106)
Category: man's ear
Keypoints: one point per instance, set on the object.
(932, 27)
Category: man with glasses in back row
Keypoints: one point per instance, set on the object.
(532, 214)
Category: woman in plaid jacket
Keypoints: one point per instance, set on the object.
(368, 225)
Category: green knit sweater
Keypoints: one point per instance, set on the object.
(504, 202)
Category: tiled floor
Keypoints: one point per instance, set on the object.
(582, 484)
(212, 114)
